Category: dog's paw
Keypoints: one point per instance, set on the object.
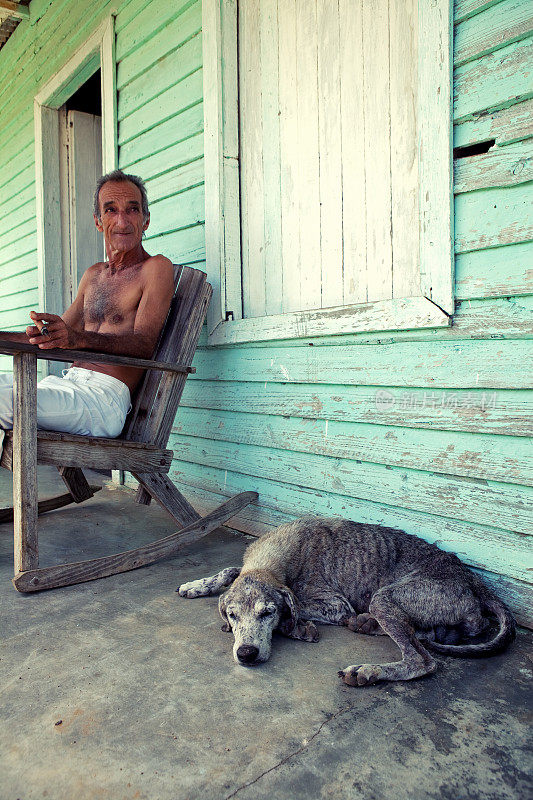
(307, 632)
(193, 589)
(361, 674)
(364, 623)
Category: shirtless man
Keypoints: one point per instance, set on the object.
(120, 307)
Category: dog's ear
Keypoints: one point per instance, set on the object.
(289, 614)
(226, 627)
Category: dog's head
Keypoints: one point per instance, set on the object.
(253, 607)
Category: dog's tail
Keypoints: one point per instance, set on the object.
(505, 635)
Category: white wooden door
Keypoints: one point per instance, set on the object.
(83, 244)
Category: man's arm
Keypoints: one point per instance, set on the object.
(158, 289)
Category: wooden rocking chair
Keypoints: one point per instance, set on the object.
(141, 449)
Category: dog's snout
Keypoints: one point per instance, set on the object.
(247, 653)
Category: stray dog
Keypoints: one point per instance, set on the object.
(370, 578)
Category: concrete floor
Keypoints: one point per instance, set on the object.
(121, 689)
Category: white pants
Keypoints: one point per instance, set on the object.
(82, 401)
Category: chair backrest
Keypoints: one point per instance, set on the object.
(157, 398)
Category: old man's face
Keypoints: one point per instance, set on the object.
(121, 218)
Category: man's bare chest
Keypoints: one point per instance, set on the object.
(112, 299)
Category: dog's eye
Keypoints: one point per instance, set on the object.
(231, 615)
(266, 613)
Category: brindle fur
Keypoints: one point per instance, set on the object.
(369, 578)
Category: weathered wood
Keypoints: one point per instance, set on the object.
(383, 315)
(493, 503)
(54, 354)
(71, 450)
(493, 28)
(25, 461)
(76, 483)
(146, 391)
(354, 166)
(53, 503)
(174, 34)
(501, 166)
(493, 81)
(68, 574)
(504, 126)
(183, 94)
(503, 458)
(154, 426)
(404, 125)
(435, 130)
(464, 364)
(169, 69)
(377, 142)
(493, 217)
(463, 9)
(505, 412)
(158, 399)
(161, 488)
(495, 272)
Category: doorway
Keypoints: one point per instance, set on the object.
(75, 142)
(80, 166)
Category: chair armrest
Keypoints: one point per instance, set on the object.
(60, 354)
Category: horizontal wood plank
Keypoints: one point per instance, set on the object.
(177, 181)
(495, 272)
(505, 126)
(186, 246)
(56, 354)
(69, 450)
(162, 108)
(494, 81)
(492, 364)
(501, 166)
(174, 213)
(165, 73)
(493, 217)
(463, 9)
(502, 458)
(503, 412)
(184, 124)
(493, 28)
(409, 312)
(172, 158)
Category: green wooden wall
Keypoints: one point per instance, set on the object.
(425, 430)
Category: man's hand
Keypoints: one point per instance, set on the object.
(53, 333)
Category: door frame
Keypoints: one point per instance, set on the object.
(97, 52)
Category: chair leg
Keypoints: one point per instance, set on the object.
(7, 514)
(26, 545)
(142, 497)
(161, 488)
(67, 574)
(76, 483)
